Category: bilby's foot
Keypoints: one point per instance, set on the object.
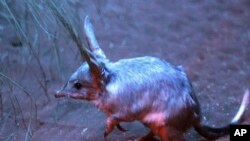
(148, 137)
(119, 127)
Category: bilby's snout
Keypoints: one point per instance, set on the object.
(59, 94)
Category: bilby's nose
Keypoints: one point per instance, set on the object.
(59, 94)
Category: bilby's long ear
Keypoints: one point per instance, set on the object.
(94, 55)
(91, 39)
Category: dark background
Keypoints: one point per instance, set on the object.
(210, 39)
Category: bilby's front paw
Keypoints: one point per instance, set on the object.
(105, 135)
(119, 127)
(148, 137)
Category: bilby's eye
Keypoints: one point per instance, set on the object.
(78, 85)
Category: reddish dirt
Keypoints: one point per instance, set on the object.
(211, 40)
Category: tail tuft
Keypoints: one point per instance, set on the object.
(215, 133)
(239, 116)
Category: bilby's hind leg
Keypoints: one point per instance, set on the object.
(111, 123)
(148, 137)
(170, 134)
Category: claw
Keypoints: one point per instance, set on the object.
(119, 127)
(105, 136)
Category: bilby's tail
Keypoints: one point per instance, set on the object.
(215, 133)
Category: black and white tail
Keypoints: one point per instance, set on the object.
(215, 133)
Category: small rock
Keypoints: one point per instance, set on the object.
(16, 42)
(84, 130)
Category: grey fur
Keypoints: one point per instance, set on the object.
(146, 89)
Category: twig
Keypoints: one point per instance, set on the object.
(21, 112)
(32, 103)
(69, 28)
(35, 15)
(57, 54)
(1, 99)
(16, 84)
(1, 104)
(44, 85)
(14, 108)
(15, 20)
(10, 137)
(28, 133)
(30, 45)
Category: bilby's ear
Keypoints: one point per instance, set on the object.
(91, 39)
(95, 57)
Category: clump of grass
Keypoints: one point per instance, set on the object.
(68, 24)
(33, 106)
(37, 22)
(1, 100)
(31, 45)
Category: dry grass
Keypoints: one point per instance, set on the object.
(33, 23)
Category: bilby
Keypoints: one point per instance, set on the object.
(146, 89)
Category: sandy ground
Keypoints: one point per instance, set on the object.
(211, 40)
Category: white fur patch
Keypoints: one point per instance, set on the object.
(113, 88)
(242, 108)
(158, 118)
